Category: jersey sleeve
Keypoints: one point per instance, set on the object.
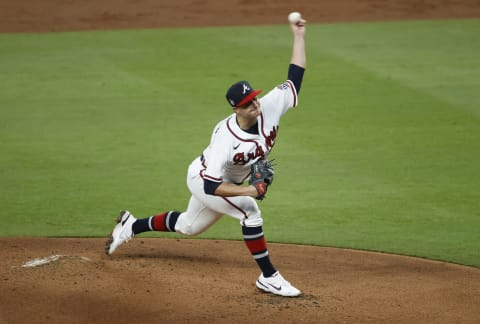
(281, 98)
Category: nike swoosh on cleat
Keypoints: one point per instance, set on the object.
(275, 287)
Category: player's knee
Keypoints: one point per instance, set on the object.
(186, 230)
(254, 219)
(183, 227)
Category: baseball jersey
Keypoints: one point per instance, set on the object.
(232, 151)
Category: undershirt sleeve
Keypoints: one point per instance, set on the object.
(295, 74)
(210, 186)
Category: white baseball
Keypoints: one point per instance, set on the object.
(294, 17)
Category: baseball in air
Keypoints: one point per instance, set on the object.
(294, 17)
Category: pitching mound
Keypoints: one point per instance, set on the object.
(199, 281)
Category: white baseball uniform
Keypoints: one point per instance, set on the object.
(228, 158)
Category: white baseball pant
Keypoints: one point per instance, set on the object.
(204, 210)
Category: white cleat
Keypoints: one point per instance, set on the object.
(122, 232)
(277, 285)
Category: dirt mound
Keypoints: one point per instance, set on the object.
(201, 281)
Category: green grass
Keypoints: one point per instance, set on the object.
(383, 153)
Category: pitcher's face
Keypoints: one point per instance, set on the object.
(250, 110)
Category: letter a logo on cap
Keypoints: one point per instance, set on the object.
(245, 88)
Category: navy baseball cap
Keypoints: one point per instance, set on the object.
(240, 93)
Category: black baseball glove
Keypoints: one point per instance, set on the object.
(261, 176)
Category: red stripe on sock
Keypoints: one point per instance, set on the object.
(256, 246)
(158, 222)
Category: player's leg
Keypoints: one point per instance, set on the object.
(246, 210)
(195, 220)
(270, 280)
(204, 210)
(243, 208)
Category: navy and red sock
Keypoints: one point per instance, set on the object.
(255, 241)
(163, 222)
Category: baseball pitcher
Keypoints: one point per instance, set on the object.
(233, 171)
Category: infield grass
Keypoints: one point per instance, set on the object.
(383, 153)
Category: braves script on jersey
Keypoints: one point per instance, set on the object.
(232, 150)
